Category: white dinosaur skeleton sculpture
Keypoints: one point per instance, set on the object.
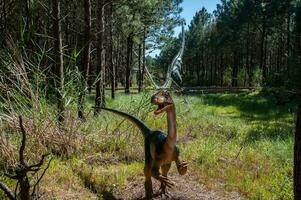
(174, 68)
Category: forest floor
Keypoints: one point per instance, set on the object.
(186, 187)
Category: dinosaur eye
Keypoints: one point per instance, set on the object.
(161, 99)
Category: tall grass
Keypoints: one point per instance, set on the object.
(244, 143)
(25, 91)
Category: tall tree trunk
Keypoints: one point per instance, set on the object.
(26, 14)
(288, 41)
(3, 23)
(215, 66)
(235, 69)
(86, 58)
(279, 54)
(262, 52)
(211, 68)
(265, 63)
(297, 146)
(131, 61)
(74, 23)
(207, 73)
(67, 25)
(139, 68)
(143, 58)
(198, 69)
(59, 62)
(222, 70)
(90, 80)
(128, 64)
(248, 65)
(203, 78)
(100, 69)
(250, 71)
(118, 57)
(109, 47)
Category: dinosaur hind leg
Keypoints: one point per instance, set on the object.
(164, 169)
(156, 174)
(148, 181)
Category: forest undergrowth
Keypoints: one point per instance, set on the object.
(236, 142)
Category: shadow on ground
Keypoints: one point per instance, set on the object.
(256, 106)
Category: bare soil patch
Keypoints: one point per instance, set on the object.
(187, 187)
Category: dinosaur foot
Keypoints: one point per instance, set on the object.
(166, 181)
(164, 193)
(182, 167)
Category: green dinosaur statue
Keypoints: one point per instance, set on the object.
(160, 149)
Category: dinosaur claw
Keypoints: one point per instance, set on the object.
(182, 168)
(165, 194)
(166, 181)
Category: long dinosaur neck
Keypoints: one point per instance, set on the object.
(172, 127)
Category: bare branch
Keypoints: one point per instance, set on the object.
(21, 172)
(37, 183)
(16, 188)
(7, 191)
(21, 151)
(31, 168)
(11, 176)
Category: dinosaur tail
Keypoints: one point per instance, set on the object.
(140, 124)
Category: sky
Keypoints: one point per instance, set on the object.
(190, 7)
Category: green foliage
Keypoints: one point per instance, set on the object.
(244, 36)
(167, 54)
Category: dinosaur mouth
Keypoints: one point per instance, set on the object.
(161, 108)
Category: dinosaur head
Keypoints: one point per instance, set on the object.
(163, 100)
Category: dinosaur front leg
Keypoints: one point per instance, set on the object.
(148, 181)
(164, 169)
(181, 166)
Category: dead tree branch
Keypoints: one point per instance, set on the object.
(23, 143)
(7, 191)
(20, 173)
(40, 178)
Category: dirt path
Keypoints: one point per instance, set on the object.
(187, 188)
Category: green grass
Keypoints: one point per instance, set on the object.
(240, 142)
(244, 143)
